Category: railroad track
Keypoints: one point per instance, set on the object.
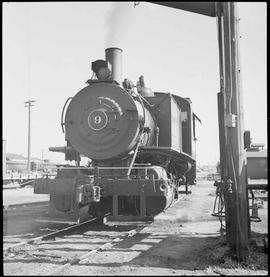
(23, 206)
(49, 236)
(87, 256)
(45, 249)
(58, 250)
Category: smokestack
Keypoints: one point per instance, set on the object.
(113, 56)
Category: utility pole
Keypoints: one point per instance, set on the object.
(231, 131)
(4, 158)
(28, 104)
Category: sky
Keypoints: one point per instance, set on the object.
(48, 48)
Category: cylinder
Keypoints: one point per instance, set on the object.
(114, 57)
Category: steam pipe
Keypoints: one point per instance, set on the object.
(113, 56)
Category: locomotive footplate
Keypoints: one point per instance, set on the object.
(78, 198)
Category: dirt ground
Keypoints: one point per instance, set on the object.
(183, 241)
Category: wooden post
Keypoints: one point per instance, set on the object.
(232, 131)
(222, 135)
(4, 158)
(115, 205)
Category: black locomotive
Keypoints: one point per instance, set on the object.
(141, 145)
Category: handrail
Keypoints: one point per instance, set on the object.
(129, 169)
(107, 167)
(62, 115)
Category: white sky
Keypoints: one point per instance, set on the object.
(48, 49)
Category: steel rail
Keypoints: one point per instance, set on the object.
(49, 236)
(11, 207)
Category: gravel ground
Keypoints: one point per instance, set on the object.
(183, 241)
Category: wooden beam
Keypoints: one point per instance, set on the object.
(204, 8)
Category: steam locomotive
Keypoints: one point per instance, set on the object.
(141, 145)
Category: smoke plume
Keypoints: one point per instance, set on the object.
(118, 21)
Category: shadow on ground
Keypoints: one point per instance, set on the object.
(180, 251)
